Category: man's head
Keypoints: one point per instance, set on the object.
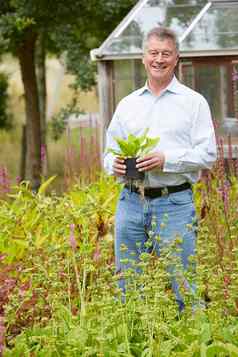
(160, 54)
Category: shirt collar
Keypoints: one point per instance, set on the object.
(143, 89)
(174, 86)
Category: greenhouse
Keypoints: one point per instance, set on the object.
(208, 36)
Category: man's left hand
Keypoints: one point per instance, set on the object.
(151, 161)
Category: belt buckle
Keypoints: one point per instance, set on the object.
(164, 191)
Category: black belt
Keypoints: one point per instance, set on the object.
(154, 192)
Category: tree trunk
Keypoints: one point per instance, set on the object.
(26, 55)
(42, 93)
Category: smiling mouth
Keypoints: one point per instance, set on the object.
(158, 68)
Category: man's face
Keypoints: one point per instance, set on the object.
(160, 59)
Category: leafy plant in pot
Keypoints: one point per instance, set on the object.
(131, 149)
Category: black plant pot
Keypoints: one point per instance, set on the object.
(131, 170)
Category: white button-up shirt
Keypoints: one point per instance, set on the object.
(181, 118)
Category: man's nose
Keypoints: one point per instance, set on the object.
(159, 57)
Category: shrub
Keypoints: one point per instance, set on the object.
(5, 117)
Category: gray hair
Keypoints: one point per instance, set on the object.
(162, 33)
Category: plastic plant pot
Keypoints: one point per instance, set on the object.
(131, 170)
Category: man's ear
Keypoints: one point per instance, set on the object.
(143, 59)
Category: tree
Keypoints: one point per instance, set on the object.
(78, 39)
(26, 24)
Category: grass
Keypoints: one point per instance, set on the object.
(10, 152)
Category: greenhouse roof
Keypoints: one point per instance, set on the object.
(203, 28)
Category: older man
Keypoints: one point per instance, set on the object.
(181, 118)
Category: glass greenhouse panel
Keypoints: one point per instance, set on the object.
(216, 30)
(128, 76)
(212, 81)
(176, 14)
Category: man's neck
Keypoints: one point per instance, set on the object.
(157, 87)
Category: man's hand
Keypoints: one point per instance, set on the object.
(151, 161)
(119, 167)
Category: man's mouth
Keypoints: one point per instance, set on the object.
(158, 68)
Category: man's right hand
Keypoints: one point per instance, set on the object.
(119, 167)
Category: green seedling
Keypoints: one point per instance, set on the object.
(134, 146)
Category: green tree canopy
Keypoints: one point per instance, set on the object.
(72, 27)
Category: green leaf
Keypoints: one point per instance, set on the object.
(149, 145)
(219, 347)
(134, 146)
(205, 332)
(203, 350)
(40, 240)
(114, 152)
(45, 185)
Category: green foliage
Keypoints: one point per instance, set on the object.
(5, 117)
(135, 146)
(59, 121)
(59, 293)
(84, 70)
(66, 29)
(60, 27)
(77, 39)
(14, 25)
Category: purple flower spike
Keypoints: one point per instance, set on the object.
(234, 76)
(43, 153)
(4, 180)
(18, 180)
(72, 239)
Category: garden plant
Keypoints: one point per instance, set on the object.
(58, 290)
(132, 148)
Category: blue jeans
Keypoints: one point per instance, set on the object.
(168, 217)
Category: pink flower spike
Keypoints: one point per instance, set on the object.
(18, 180)
(43, 153)
(234, 76)
(97, 253)
(72, 240)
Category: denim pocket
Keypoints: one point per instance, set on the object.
(181, 198)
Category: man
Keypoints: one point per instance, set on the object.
(181, 118)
